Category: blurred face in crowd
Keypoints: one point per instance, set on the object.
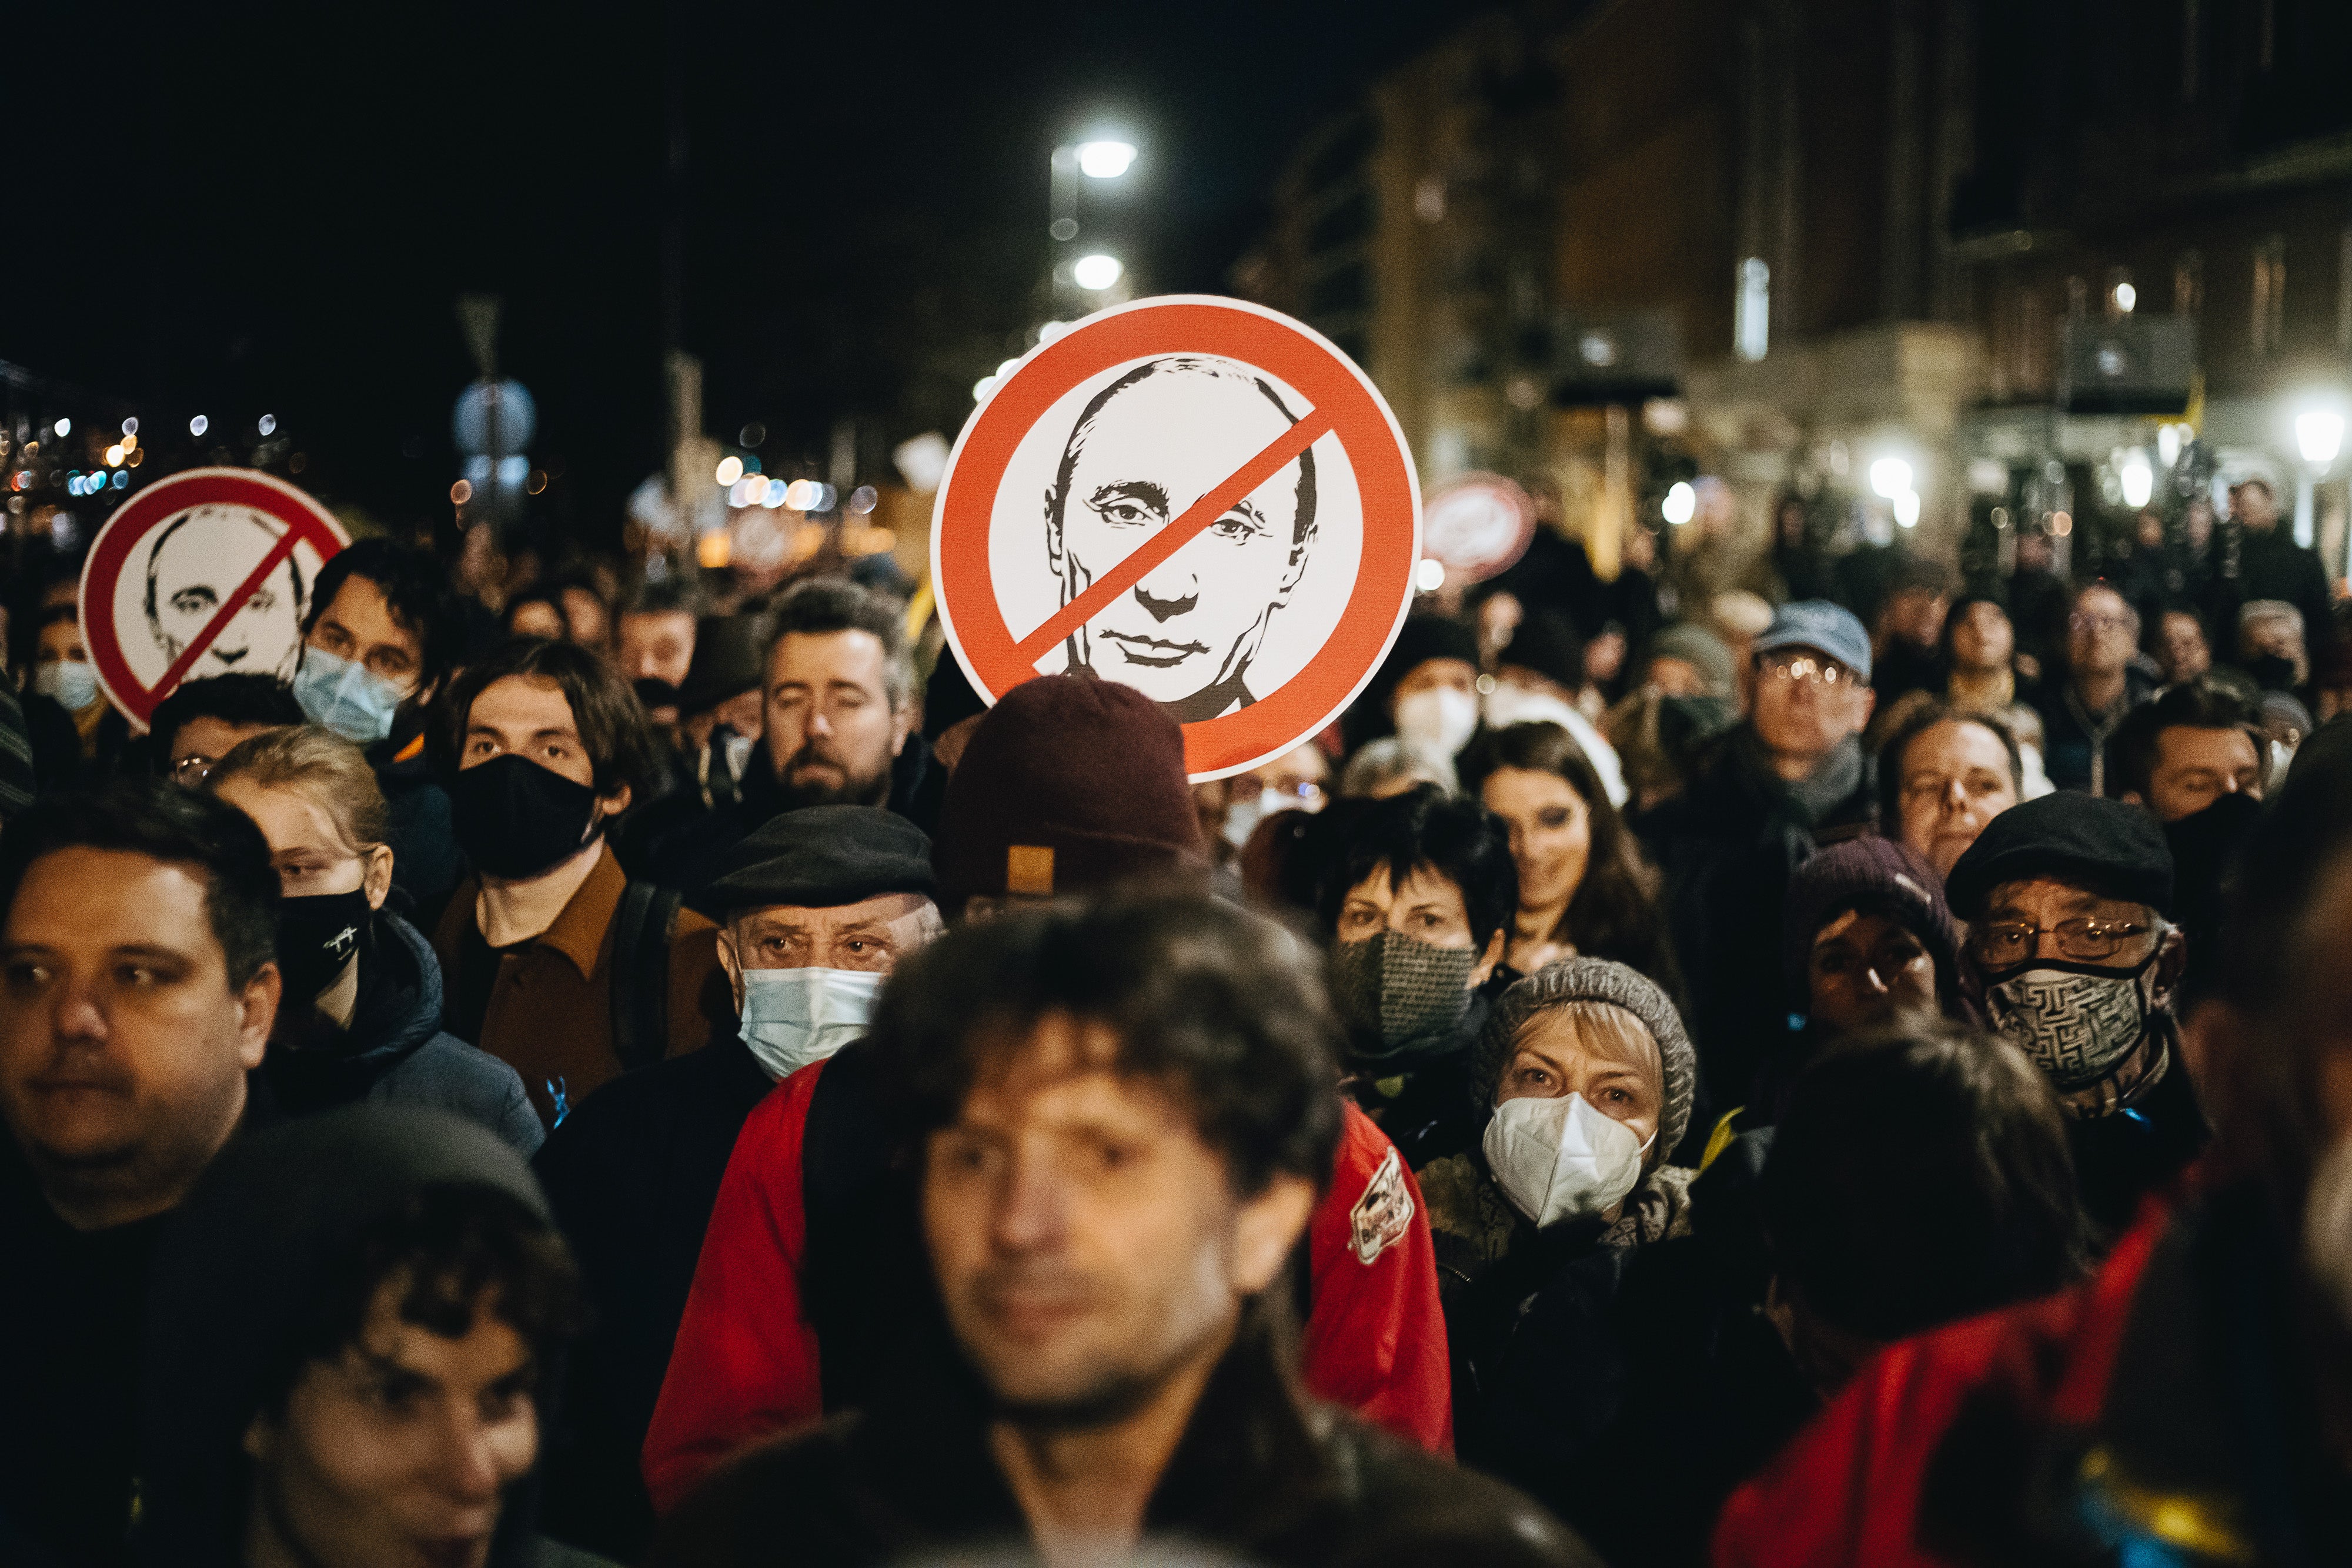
(1983, 640)
(831, 730)
(1196, 619)
(2275, 637)
(1601, 1053)
(870, 935)
(529, 717)
(361, 627)
(124, 1047)
(205, 740)
(1551, 832)
(2102, 632)
(1671, 677)
(657, 644)
(398, 1452)
(536, 618)
(1426, 907)
(1090, 1247)
(2253, 505)
(586, 619)
(2195, 767)
(2181, 646)
(1956, 777)
(59, 641)
(1807, 703)
(1915, 615)
(1865, 971)
(1437, 675)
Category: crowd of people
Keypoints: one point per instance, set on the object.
(1846, 1074)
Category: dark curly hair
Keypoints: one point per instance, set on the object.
(1220, 1007)
(1425, 828)
(613, 725)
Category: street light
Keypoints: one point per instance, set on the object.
(1097, 272)
(1097, 158)
(1890, 476)
(2319, 435)
(1681, 504)
(1104, 160)
(2137, 479)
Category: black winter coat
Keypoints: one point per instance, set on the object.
(395, 1052)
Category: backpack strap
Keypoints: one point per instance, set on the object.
(641, 927)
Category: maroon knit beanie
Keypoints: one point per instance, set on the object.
(1068, 785)
(1876, 874)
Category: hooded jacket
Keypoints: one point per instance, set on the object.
(395, 1052)
(271, 1219)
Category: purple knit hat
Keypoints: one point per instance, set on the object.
(1876, 874)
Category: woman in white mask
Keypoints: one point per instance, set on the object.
(1425, 692)
(1591, 1079)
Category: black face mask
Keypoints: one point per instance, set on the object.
(317, 935)
(514, 819)
(2272, 671)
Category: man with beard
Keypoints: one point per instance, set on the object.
(840, 716)
(1117, 1118)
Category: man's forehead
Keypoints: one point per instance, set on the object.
(886, 908)
(851, 651)
(1177, 425)
(1063, 1070)
(147, 900)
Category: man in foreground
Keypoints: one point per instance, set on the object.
(138, 986)
(1118, 1117)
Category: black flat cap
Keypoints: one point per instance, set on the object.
(822, 857)
(2111, 849)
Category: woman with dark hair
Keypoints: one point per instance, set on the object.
(1585, 888)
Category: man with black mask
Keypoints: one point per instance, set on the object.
(2069, 905)
(559, 965)
(838, 728)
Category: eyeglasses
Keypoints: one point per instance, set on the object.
(1998, 943)
(2086, 621)
(193, 770)
(1809, 671)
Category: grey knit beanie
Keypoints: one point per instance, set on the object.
(1593, 980)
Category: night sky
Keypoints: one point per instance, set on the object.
(274, 209)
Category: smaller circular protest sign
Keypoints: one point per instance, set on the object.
(205, 573)
(1477, 525)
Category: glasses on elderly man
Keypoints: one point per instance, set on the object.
(2000, 943)
(194, 770)
(1809, 669)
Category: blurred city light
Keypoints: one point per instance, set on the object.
(2319, 435)
(774, 497)
(980, 387)
(1890, 476)
(2125, 297)
(2168, 444)
(1104, 160)
(1907, 508)
(114, 457)
(1095, 272)
(729, 470)
(1429, 575)
(460, 492)
(2138, 480)
(267, 424)
(198, 425)
(63, 427)
(861, 500)
(131, 427)
(1681, 504)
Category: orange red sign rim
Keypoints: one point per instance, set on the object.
(1336, 392)
(307, 522)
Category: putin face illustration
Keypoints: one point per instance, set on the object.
(1146, 448)
(196, 564)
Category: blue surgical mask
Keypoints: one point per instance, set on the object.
(794, 1017)
(350, 699)
(72, 685)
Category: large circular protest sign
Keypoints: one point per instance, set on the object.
(1478, 525)
(205, 573)
(1198, 498)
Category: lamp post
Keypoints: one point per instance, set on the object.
(2318, 437)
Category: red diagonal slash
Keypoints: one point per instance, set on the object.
(1175, 536)
(219, 622)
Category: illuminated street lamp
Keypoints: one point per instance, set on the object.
(1097, 272)
(1097, 158)
(2318, 437)
(1104, 160)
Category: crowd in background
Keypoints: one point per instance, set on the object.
(1792, 1059)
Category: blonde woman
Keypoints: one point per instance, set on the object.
(361, 1015)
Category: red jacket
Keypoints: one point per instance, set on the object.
(1848, 1493)
(746, 1364)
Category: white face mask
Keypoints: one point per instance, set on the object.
(794, 1017)
(1243, 814)
(1562, 1159)
(1440, 718)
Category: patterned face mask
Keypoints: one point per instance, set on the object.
(1409, 993)
(2076, 1021)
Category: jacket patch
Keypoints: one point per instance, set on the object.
(1383, 1215)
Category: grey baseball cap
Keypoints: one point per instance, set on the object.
(1825, 628)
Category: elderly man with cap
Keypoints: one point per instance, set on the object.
(818, 906)
(1789, 778)
(2069, 905)
(812, 1277)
